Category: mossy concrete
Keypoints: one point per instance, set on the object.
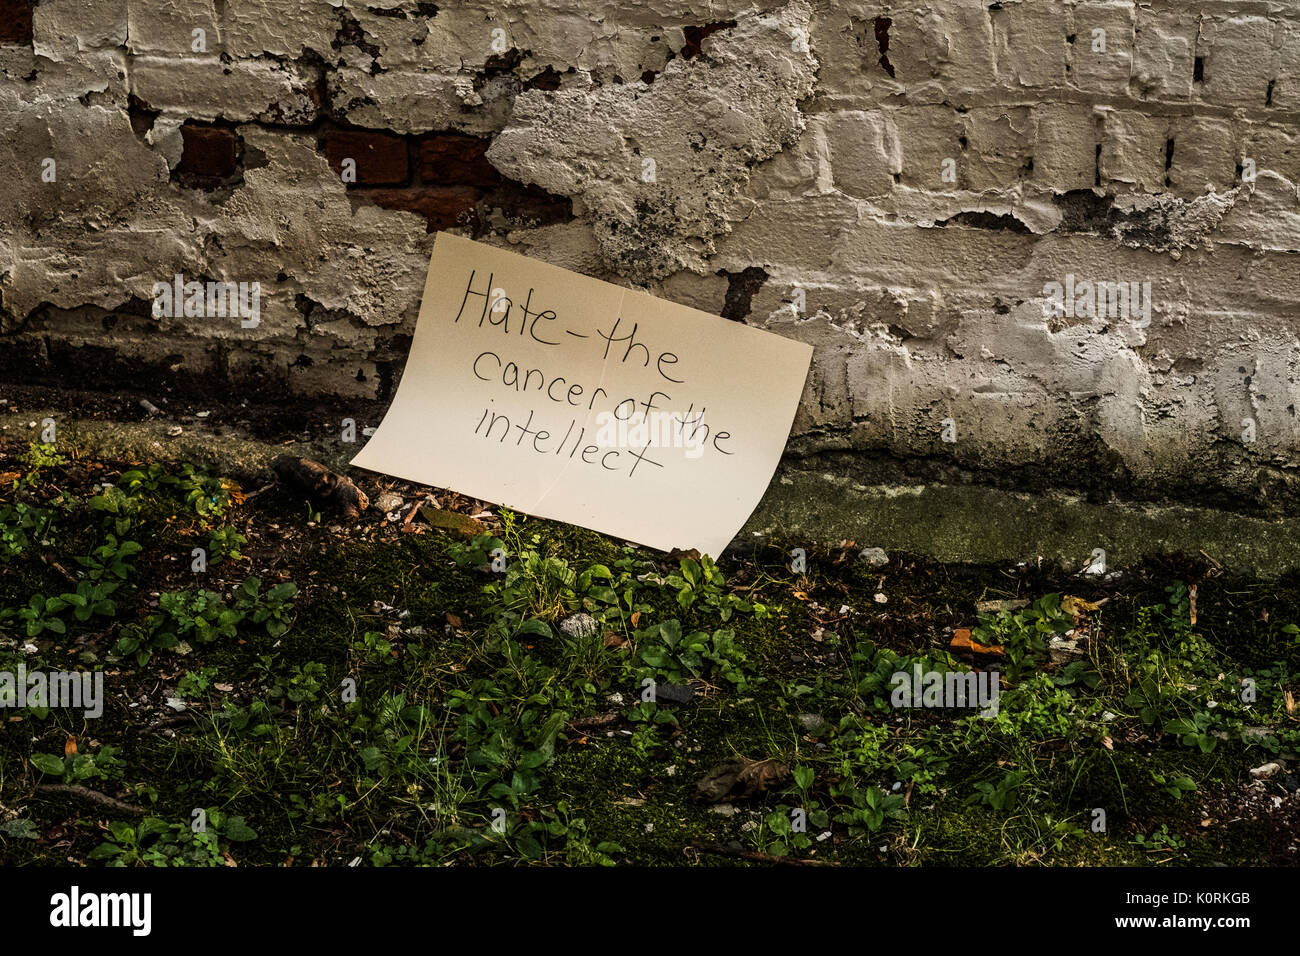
(816, 506)
(982, 524)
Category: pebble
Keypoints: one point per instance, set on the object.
(875, 557)
(579, 625)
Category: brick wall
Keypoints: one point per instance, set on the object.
(899, 184)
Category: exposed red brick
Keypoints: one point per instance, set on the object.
(443, 207)
(548, 80)
(380, 157)
(16, 21)
(695, 36)
(529, 204)
(211, 154)
(451, 159)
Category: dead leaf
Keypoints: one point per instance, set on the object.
(636, 618)
(70, 746)
(740, 778)
(962, 642)
(1108, 743)
(1290, 702)
(453, 620)
(1077, 606)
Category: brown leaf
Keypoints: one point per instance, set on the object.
(453, 620)
(1290, 702)
(739, 778)
(70, 746)
(1108, 743)
(636, 618)
(962, 642)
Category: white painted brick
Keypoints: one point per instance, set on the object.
(1065, 156)
(927, 136)
(1163, 56)
(1239, 60)
(1030, 44)
(1102, 62)
(1000, 144)
(862, 162)
(1133, 149)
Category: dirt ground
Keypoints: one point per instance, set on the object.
(440, 681)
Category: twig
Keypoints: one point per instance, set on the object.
(599, 720)
(253, 494)
(171, 720)
(50, 562)
(93, 796)
(719, 849)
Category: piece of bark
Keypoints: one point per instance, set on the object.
(323, 486)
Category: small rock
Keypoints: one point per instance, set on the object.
(725, 810)
(995, 607)
(615, 698)
(880, 598)
(1062, 651)
(813, 723)
(579, 625)
(1265, 771)
(1291, 782)
(674, 693)
(174, 431)
(875, 557)
(178, 705)
(389, 502)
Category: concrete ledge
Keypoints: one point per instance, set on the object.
(981, 524)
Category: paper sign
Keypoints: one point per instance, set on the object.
(570, 398)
